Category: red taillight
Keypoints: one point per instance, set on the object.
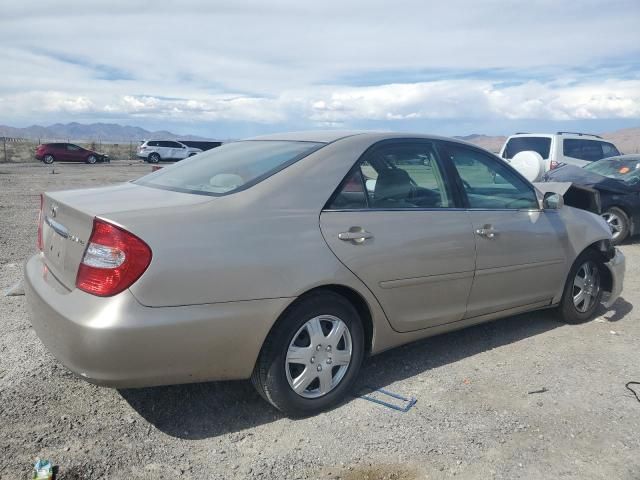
(113, 261)
(40, 220)
(554, 164)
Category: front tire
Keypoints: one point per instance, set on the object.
(619, 223)
(311, 358)
(154, 158)
(583, 289)
(91, 159)
(48, 159)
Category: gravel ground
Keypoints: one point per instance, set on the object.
(474, 417)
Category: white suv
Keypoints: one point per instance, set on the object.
(573, 148)
(155, 150)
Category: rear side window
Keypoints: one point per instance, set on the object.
(230, 167)
(401, 175)
(515, 145)
(589, 150)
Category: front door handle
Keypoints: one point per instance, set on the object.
(355, 235)
(487, 231)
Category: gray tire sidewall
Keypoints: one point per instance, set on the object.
(279, 392)
(48, 156)
(568, 311)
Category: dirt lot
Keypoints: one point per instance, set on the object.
(474, 417)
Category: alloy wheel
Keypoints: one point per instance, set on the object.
(586, 286)
(615, 224)
(318, 356)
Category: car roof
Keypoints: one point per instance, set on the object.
(328, 136)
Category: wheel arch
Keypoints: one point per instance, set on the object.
(351, 295)
(605, 252)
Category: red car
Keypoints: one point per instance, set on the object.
(68, 152)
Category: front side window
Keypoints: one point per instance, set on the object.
(396, 176)
(609, 150)
(72, 147)
(487, 182)
(515, 145)
(230, 167)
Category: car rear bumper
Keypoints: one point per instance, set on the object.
(617, 267)
(118, 342)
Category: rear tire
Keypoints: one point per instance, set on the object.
(325, 330)
(48, 159)
(619, 223)
(154, 158)
(583, 289)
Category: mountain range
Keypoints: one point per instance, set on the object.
(627, 140)
(105, 132)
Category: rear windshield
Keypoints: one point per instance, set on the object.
(542, 145)
(230, 167)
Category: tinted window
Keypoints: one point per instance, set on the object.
(352, 193)
(72, 147)
(166, 144)
(153, 143)
(229, 168)
(589, 150)
(609, 150)
(400, 175)
(542, 145)
(488, 182)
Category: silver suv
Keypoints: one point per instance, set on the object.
(573, 148)
(155, 150)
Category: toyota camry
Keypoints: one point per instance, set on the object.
(289, 258)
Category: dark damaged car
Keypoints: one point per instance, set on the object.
(617, 181)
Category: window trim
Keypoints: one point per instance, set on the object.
(460, 187)
(455, 198)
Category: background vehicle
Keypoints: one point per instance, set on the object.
(154, 151)
(562, 147)
(290, 257)
(67, 152)
(617, 179)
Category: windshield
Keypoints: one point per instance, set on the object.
(230, 167)
(515, 145)
(626, 170)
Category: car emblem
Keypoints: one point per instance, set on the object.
(54, 211)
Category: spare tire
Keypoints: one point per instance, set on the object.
(529, 164)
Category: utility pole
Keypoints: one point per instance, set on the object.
(4, 144)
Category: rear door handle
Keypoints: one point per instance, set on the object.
(355, 235)
(487, 231)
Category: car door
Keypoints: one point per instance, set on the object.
(61, 152)
(394, 223)
(74, 153)
(165, 150)
(520, 257)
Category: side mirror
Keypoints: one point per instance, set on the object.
(552, 201)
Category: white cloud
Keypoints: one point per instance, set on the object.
(287, 62)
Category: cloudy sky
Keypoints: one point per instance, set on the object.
(237, 68)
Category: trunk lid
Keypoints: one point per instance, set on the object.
(68, 219)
